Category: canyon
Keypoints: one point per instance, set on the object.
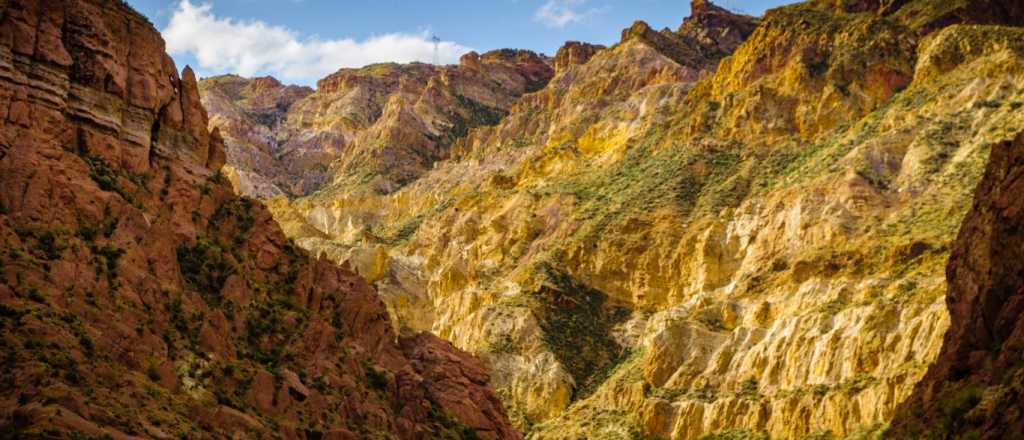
(739, 227)
(804, 225)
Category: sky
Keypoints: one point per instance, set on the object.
(300, 41)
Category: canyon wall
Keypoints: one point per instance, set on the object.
(140, 298)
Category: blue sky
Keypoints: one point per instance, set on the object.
(300, 41)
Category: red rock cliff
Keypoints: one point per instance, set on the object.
(140, 298)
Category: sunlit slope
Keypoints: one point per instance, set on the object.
(653, 245)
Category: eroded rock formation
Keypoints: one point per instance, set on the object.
(140, 298)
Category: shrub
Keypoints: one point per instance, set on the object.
(956, 404)
(49, 245)
(205, 268)
(749, 389)
(576, 321)
(376, 378)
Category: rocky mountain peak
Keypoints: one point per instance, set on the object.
(264, 84)
(708, 34)
(717, 27)
(574, 53)
(380, 125)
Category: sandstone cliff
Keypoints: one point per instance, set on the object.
(140, 298)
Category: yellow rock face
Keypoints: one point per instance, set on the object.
(650, 248)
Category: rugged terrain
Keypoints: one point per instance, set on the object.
(976, 386)
(737, 228)
(368, 130)
(140, 298)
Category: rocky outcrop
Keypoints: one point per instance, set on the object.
(928, 16)
(140, 298)
(574, 53)
(707, 35)
(976, 386)
(715, 27)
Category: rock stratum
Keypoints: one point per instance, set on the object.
(735, 229)
(140, 298)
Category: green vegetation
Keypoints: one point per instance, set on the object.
(955, 404)
(236, 217)
(205, 267)
(738, 434)
(577, 321)
(108, 178)
(89, 231)
(106, 258)
(480, 114)
(451, 427)
(675, 394)
(919, 13)
(377, 379)
(398, 233)
(207, 264)
(266, 336)
(686, 178)
(48, 244)
(749, 389)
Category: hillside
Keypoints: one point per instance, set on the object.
(140, 298)
(736, 228)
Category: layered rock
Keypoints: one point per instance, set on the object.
(140, 298)
(574, 53)
(716, 28)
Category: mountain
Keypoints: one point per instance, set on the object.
(367, 130)
(140, 298)
(738, 228)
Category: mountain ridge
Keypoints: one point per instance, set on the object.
(396, 120)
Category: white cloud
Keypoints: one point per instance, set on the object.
(561, 13)
(252, 47)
